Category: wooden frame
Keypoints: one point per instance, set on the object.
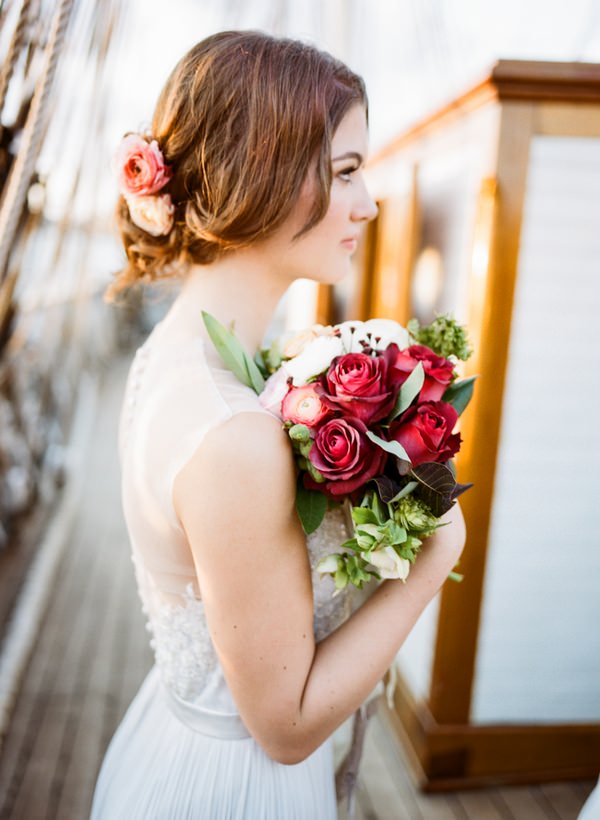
(394, 254)
(445, 756)
(446, 750)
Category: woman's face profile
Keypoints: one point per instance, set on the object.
(324, 253)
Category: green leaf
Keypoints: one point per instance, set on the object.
(363, 515)
(406, 490)
(393, 447)
(455, 576)
(257, 381)
(408, 391)
(459, 393)
(261, 364)
(311, 507)
(233, 354)
(378, 508)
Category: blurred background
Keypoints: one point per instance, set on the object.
(485, 162)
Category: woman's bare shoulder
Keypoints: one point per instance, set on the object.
(246, 459)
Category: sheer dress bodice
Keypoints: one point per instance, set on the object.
(177, 390)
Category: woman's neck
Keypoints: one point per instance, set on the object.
(239, 290)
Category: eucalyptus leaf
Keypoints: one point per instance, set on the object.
(406, 490)
(455, 576)
(261, 364)
(233, 354)
(257, 381)
(459, 393)
(393, 447)
(311, 507)
(408, 391)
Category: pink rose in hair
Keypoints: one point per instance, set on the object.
(141, 167)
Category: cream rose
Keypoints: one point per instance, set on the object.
(314, 359)
(389, 564)
(153, 214)
(294, 344)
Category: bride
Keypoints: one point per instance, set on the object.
(251, 177)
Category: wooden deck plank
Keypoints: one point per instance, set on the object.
(47, 663)
(430, 807)
(485, 805)
(564, 799)
(85, 749)
(63, 704)
(529, 802)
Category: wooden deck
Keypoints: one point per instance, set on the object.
(92, 652)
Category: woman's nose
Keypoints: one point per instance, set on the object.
(365, 208)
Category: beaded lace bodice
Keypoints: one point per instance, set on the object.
(175, 393)
(182, 646)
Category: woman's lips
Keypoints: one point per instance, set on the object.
(350, 243)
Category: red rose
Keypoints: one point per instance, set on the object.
(438, 371)
(357, 384)
(344, 456)
(425, 432)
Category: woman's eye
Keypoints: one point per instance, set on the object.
(346, 174)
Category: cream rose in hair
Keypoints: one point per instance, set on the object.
(153, 214)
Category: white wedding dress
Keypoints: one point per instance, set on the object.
(182, 750)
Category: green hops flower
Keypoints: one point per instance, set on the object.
(444, 336)
(413, 514)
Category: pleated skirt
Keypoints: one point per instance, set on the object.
(158, 767)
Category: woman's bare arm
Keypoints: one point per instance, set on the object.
(235, 499)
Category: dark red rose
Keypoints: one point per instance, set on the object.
(438, 371)
(344, 455)
(425, 432)
(357, 384)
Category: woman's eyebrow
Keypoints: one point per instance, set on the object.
(350, 155)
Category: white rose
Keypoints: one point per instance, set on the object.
(389, 564)
(385, 330)
(314, 359)
(153, 214)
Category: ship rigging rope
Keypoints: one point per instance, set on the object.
(22, 169)
(14, 49)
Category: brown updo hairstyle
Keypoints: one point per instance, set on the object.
(241, 119)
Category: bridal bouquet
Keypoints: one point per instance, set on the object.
(370, 409)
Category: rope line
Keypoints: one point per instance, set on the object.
(22, 170)
(14, 50)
